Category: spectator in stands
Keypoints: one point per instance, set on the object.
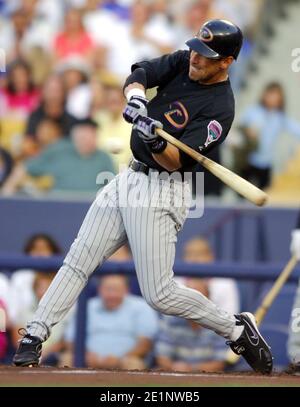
(261, 125)
(72, 166)
(120, 327)
(4, 325)
(114, 134)
(17, 100)
(136, 39)
(21, 295)
(3, 334)
(52, 107)
(26, 289)
(13, 34)
(223, 291)
(48, 132)
(185, 346)
(190, 16)
(6, 165)
(75, 73)
(74, 40)
(29, 24)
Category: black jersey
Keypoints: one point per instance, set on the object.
(199, 115)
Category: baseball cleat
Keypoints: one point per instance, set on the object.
(252, 346)
(29, 352)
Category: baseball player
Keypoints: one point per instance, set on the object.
(195, 104)
(294, 333)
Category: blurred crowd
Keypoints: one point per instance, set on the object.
(61, 97)
(122, 331)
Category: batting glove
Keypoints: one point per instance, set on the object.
(295, 243)
(136, 107)
(146, 128)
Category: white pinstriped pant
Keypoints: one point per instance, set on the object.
(150, 225)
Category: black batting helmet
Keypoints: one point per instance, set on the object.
(217, 39)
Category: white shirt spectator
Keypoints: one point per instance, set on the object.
(224, 293)
(4, 288)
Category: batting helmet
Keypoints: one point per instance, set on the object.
(217, 39)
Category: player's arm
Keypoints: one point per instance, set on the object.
(145, 75)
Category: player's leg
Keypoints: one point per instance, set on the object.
(152, 234)
(100, 235)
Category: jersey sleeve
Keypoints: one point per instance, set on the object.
(161, 70)
(204, 134)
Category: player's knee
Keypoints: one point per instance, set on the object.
(159, 302)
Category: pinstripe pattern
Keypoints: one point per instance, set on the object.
(151, 229)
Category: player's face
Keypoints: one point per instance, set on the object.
(205, 70)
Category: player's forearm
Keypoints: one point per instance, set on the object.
(169, 158)
(136, 84)
(133, 87)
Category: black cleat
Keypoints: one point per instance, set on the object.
(293, 369)
(29, 352)
(252, 346)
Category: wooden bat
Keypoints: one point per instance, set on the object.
(234, 181)
(268, 300)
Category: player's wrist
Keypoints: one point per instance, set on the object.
(157, 146)
(138, 93)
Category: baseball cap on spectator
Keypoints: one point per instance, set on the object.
(87, 122)
(74, 63)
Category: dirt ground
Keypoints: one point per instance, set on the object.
(43, 376)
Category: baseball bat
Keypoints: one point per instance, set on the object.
(268, 300)
(234, 181)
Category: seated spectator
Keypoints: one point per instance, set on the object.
(75, 74)
(21, 295)
(74, 40)
(48, 132)
(114, 134)
(3, 334)
(261, 125)
(4, 326)
(51, 107)
(6, 165)
(17, 100)
(71, 165)
(185, 346)
(223, 291)
(30, 23)
(120, 327)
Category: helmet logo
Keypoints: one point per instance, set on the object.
(205, 35)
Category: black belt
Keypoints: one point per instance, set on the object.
(138, 166)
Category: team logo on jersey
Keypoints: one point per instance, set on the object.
(215, 130)
(177, 116)
(205, 35)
